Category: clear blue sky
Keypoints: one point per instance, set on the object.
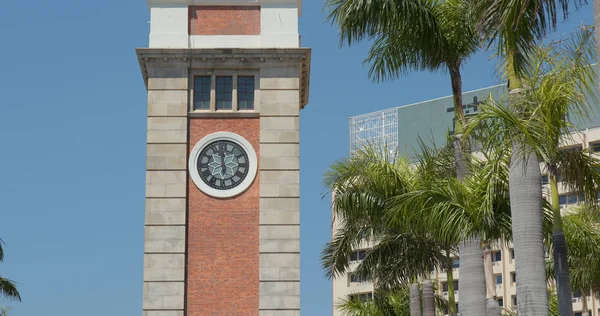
(72, 135)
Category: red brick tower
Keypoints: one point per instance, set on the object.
(226, 81)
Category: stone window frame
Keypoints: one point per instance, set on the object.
(214, 73)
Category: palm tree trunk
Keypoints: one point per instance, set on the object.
(460, 152)
(561, 267)
(584, 304)
(415, 300)
(428, 301)
(492, 307)
(472, 280)
(450, 280)
(526, 209)
(524, 180)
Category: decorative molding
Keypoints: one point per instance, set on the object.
(223, 114)
(229, 58)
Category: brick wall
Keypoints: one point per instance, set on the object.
(223, 236)
(224, 20)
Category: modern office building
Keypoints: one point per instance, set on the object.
(226, 81)
(398, 129)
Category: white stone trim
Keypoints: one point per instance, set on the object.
(253, 164)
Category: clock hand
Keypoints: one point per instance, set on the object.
(223, 167)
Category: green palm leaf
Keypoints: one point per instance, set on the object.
(9, 290)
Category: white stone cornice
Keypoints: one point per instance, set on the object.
(167, 3)
(227, 58)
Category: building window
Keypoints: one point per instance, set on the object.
(545, 179)
(202, 93)
(562, 200)
(455, 263)
(496, 256)
(498, 279)
(358, 255)
(512, 253)
(595, 147)
(513, 277)
(245, 91)
(363, 297)
(445, 286)
(359, 278)
(570, 199)
(574, 148)
(500, 302)
(224, 93)
(514, 300)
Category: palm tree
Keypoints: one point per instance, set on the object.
(363, 185)
(559, 80)
(516, 26)
(416, 214)
(474, 209)
(417, 35)
(8, 288)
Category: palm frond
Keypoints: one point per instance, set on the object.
(8, 289)
(364, 19)
(1, 250)
(335, 256)
(356, 307)
(395, 54)
(517, 26)
(398, 258)
(581, 231)
(579, 172)
(455, 211)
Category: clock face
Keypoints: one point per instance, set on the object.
(223, 164)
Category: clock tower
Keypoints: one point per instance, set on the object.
(226, 81)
